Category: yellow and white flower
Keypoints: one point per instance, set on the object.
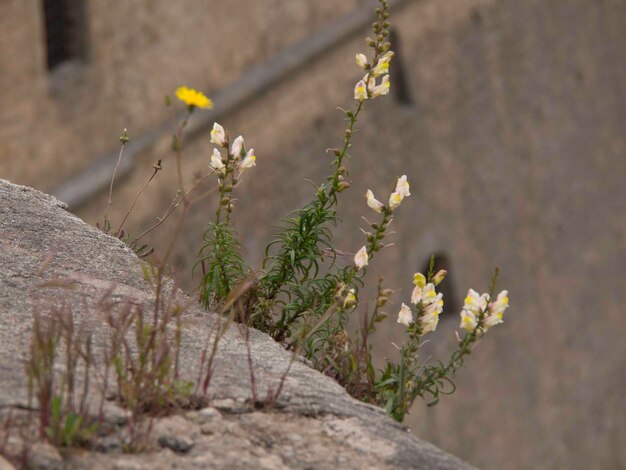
(419, 280)
(218, 135)
(430, 316)
(360, 91)
(474, 302)
(440, 276)
(394, 200)
(402, 191)
(495, 310)
(469, 321)
(361, 60)
(405, 316)
(402, 186)
(236, 147)
(374, 203)
(382, 66)
(216, 161)
(350, 299)
(382, 89)
(361, 258)
(249, 160)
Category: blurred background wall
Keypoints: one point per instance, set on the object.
(508, 116)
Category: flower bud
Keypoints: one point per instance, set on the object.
(437, 278)
(124, 137)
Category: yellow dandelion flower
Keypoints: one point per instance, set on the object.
(193, 98)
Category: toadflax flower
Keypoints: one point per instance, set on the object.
(430, 315)
(373, 203)
(382, 66)
(379, 90)
(474, 305)
(236, 147)
(361, 60)
(350, 299)
(440, 276)
(360, 91)
(218, 135)
(402, 186)
(495, 310)
(361, 258)
(402, 191)
(193, 98)
(405, 316)
(216, 161)
(248, 162)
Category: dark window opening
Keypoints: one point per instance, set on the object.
(65, 34)
(400, 89)
(452, 305)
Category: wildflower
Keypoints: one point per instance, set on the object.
(350, 299)
(382, 89)
(474, 305)
(405, 316)
(382, 66)
(236, 147)
(360, 91)
(495, 310)
(373, 203)
(501, 303)
(218, 135)
(394, 200)
(468, 320)
(430, 316)
(437, 278)
(419, 279)
(193, 99)
(361, 60)
(361, 258)
(475, 302)
(428, 294)
(402, 191)
(249, 161)
(402, 187)
(216, 161)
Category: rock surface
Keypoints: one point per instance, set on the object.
(315, 423)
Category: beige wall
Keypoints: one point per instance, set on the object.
(51, 127)
(515, 148)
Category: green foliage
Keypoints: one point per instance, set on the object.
(67, 428)
(63, 415)
(222, 265)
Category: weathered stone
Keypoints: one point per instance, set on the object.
(335, 429)
(5, 464)
(43, 456)
(174, 433)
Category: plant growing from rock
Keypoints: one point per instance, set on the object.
(62, 406)
(303, 295)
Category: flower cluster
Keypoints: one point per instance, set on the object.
(479, 313)
(400, 192)
(367, 88)
(193, 98)
(428, 303)
(242, 159)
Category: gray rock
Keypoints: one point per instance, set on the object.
(175, 433)
(44, 457)
(335, 429)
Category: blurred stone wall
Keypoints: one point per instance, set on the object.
(512, 131)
